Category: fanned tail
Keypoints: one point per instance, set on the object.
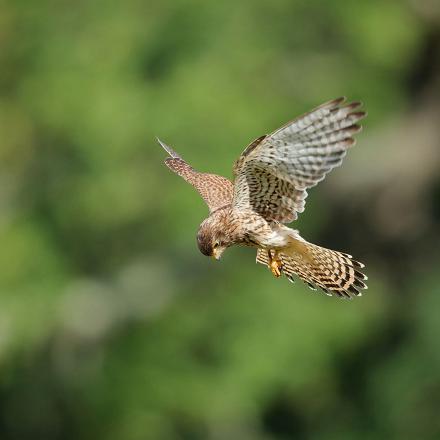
(334, 272)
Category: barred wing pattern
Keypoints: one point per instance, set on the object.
(273, 173)
(336, 273)
(215, 190)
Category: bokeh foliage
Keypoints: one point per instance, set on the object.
(112, 325)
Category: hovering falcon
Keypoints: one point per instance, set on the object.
(271, 178)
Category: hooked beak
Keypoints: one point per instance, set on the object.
(217, 253)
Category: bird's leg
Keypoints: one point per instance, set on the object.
(275, 263)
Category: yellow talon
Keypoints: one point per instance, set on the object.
(275, 265)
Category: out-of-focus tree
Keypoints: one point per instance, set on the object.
(112, 325)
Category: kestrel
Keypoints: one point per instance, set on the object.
(271, 179)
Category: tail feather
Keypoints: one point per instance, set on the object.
(334, 272)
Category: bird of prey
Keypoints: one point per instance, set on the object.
(269, 189)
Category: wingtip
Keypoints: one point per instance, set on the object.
(168, 149)
(334, 103)
(339, 101)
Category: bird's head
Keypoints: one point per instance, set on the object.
(211, 240)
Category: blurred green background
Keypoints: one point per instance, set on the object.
(112, 324)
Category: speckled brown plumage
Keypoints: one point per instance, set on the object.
(271, 178)
(215, 190)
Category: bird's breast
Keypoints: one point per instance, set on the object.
(261, 233)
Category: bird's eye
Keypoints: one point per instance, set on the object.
(216, 244)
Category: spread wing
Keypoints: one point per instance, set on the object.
(273, 173)
(215, 190)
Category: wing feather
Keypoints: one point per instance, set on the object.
(274, 172)
(216, 191)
